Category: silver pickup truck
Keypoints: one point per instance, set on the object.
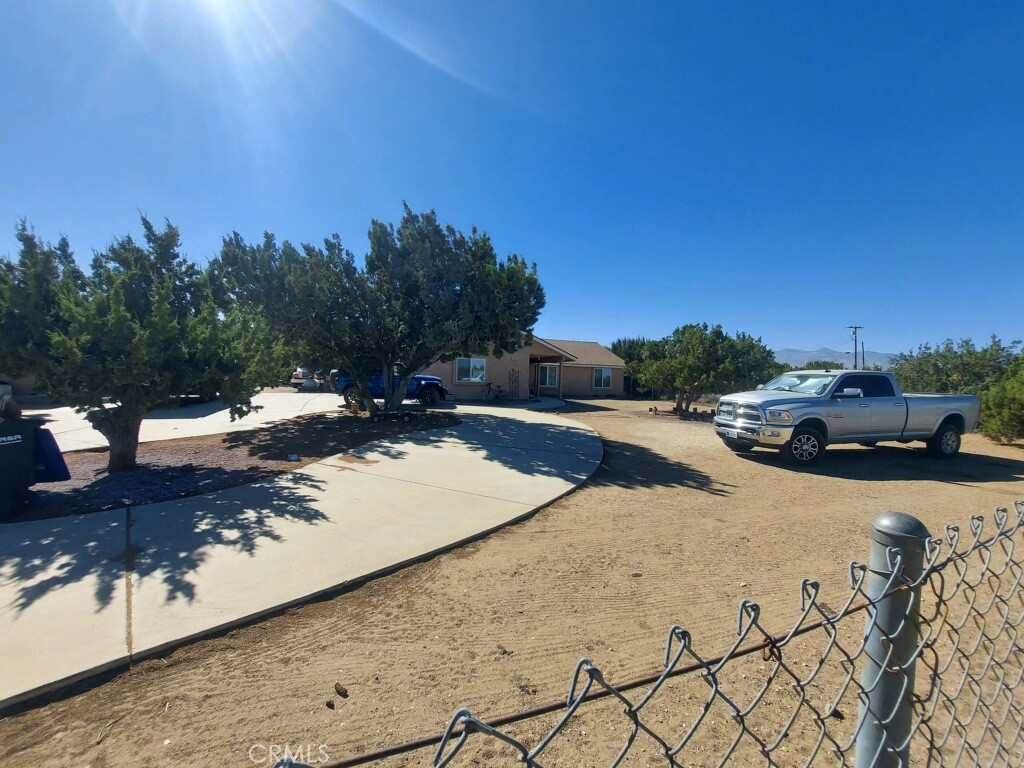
(803, 411)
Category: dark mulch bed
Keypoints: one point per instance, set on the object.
(174, 469)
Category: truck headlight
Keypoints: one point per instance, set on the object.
(775, 415)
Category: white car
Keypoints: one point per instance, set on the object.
(307, 379)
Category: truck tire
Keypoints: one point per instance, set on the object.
(429, 396)
(945, 443)
(351, 396)
(738, 446)
(805, 448)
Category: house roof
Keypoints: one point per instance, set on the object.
(588, 353)
(569, 357)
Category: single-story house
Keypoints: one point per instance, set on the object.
(544, 367)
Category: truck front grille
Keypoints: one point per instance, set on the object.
(739, 412)
(748, 413)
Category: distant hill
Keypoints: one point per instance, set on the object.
(800, 357)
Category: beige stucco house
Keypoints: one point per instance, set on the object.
(547, 367)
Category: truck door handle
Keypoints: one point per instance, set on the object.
(898, 405)
(865, 405)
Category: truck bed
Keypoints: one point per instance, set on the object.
(925, 412)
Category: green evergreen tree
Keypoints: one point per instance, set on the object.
(426, 292)
(141, 329)
(257, 277)
(697, 360)
(959, 368)
(1002, 406)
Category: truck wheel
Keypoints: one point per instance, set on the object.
(945, 444)
(429, 396)
(738, 446)
(805, 448)
(351, 395)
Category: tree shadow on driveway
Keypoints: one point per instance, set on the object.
(568, 451)
(168, 541)
(322, 435)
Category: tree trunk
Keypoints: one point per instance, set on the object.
(395, 403)
(120, 425)
(398, 396)
(679, 401)
(368, 402)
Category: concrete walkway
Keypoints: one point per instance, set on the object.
(83, 594)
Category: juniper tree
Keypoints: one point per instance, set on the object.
(139, 330)
(697, 360)
(424, 292)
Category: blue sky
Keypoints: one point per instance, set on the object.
(785, 169)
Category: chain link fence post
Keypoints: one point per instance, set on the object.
(898, 545)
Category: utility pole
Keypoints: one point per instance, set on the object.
(855, 328)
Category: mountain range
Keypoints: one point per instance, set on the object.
(800, 357)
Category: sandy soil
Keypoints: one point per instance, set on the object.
(673, 528)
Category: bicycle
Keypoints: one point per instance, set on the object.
(495, 392)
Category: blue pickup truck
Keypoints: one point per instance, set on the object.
(427, 389)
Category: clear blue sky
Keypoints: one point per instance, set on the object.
(785, 169)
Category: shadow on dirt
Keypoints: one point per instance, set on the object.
(626, 465)
(897, 462)
(581, 406)
(168, 542)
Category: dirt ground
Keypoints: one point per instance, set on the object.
(672, 529)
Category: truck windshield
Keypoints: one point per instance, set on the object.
(808, 383)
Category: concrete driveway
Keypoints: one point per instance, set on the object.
(74, 433)
(82, 594)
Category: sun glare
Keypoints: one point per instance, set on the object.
(201, 37)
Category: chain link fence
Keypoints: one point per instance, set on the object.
(920, 665)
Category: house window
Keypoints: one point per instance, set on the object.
(471, 369)
(602, 378)
(549, 375)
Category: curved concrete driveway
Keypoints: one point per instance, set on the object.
(83, 594)
(74, 433)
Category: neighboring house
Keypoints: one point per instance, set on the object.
(544, 367)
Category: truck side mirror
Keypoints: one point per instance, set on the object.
(849, 392)
(759, 386)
